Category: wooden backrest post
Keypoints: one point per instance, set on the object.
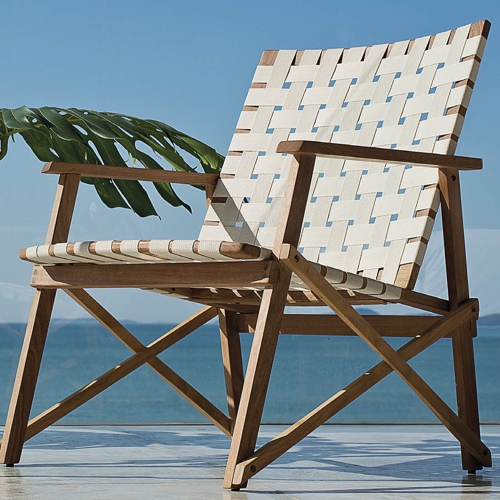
(62, 210)
(294, 202)
(454, 239)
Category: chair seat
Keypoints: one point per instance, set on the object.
(150, 251)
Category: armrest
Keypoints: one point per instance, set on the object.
(382, 155)
(129, 173)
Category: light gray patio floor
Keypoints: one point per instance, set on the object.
(187, 462)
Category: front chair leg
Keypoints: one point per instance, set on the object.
(256, 379)
(26, 377)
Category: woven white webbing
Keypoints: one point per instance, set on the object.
(366, 218)
(161, 251)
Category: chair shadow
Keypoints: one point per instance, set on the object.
(426, 465)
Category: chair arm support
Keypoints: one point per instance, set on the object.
(382, 155)
(128, 173)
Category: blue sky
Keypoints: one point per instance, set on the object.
(190, 64)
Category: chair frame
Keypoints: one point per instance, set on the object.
(260, 313)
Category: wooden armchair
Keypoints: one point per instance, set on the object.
(328, 196)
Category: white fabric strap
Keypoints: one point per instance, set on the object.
(362, 215)
(130, 248)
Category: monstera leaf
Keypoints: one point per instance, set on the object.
(84, 136)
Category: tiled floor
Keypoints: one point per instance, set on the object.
(187, 462)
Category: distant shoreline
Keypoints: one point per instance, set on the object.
(491, 320)
(487, 321)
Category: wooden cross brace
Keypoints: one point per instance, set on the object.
(392, 361)
(142, 355)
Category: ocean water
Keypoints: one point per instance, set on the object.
(308, 370)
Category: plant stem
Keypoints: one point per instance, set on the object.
(4, 144)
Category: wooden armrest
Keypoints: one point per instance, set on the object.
(129, 173)
(397, 156)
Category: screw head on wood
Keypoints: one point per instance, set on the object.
(296, 258)
(253, 468)
(453, 177)
(485, 452)
(473, 309)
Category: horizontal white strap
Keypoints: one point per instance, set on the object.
(182, 250)
(60, 251)
(31, 254)
(435, 55)
(42, 253)
(159, 251)
(130, 248)
(105, 249)
(262, 74)
(82, 249)
(342, 280)
(349, 70)
(246, 119)
(455, 73)
(302, 73)
(473, 46)
(250, 142)
(268, 96)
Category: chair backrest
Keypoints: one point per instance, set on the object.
(368, 218)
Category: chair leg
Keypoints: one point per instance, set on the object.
(26, 377)
(465, 381)
(256, 379)
(232, 360)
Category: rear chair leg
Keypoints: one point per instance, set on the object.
(26, 377)
(465, 381)
(233, 363)
(458, 290)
